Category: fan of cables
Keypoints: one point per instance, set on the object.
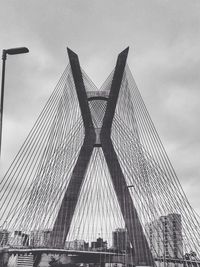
(33, 188)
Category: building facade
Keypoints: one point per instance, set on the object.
(99, 244)
(39, 238)
(165, 236)
(76, 245)
(4, 237)
(120, 240)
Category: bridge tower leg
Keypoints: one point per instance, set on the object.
(142, 253)
(4, 258)
(65, 214)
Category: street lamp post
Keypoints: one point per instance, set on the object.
(5, 52)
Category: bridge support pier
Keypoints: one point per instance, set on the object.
(4, 257)
(36, 259)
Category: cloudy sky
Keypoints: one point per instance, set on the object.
(164, 57)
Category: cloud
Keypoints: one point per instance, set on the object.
(164, 38)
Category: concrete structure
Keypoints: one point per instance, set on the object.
(25, 260)
(101, 138)
(43, 256)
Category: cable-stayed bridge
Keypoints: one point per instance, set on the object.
(92, 183)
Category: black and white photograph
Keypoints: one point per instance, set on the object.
(100, 133)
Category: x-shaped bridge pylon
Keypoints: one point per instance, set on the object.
(142, 253)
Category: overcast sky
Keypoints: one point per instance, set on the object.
(164, 57)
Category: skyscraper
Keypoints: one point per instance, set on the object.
(120, 240)
(165, 236)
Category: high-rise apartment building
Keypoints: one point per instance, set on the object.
(121, 241)
(165, 236)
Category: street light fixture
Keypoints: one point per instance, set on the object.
(11, 51)
(17, 50)
(129, 186)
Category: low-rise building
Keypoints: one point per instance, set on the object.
(4, 237)
(39, 238)
(99, 244)
(76, 245)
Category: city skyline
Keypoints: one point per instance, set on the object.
(166, 243)
(110, 170)
(158, 232)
